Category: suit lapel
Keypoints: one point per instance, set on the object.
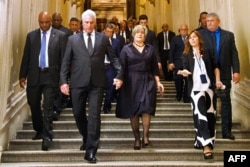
(222, 38)
(81, 39)
(97, 42)
(52, 36)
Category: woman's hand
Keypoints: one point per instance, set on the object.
(184, 72)
(160, 88)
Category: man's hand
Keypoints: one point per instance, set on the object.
(118, 83)
(22, 82)
(236, 78)
(171, 66)
(65, 89)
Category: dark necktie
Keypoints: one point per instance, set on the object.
(183, 39)
(90, 47)
(42, 61)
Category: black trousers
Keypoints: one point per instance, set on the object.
(226, 110)
(168, 74)
(89, 127)
(42, 118)
(181, 86)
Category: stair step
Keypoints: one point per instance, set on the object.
(118, 164)
(127, 133)
(121, 124)
(150, 154)
(126, 143)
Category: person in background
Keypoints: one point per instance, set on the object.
(124, 32)
(41, 62)
(74, 25)
(175, 63)
(85, 54)
(221, 43)
(61, 100)
(57, 24)
(202, 21)
(116, 33)
(164, 39)
(203, 77)
(151, 37)
(137, 96)
(109, 69)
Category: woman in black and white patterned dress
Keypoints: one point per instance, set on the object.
(203, 77)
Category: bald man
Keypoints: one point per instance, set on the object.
(175, 63)
(40, 68)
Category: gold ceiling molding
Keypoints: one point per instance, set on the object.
(153, 2)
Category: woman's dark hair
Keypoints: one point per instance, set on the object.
(188, 47)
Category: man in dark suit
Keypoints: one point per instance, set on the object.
(124, 31)
(40, 65)
(61, 100)
(74, 25)
(164, 39)
(85, 54)
(116, 34)
(57, 23)
(109, 69)
(175, 63)
(221, 43)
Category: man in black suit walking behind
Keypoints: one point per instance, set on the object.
(41, 62)
(221, 44)
(85, 54)
(164, 39)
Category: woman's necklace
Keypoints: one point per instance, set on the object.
(140, 46)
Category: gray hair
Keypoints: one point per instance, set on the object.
(87, 13)
(138, 28)
(215, 15)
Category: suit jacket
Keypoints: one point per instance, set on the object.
(116, 45)
(210, 63)
(30, 62)
(121, 39)
(87, 68)
(151, 39)
(175, 53)
(67, 31)
(229, 60)
(160, 38)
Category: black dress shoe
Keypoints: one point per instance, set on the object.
(178, 98)
(83, 147)
(228, 136)
(46, 144)
(90, 157)
(106, 111)
(37, 136)
(55, 115)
